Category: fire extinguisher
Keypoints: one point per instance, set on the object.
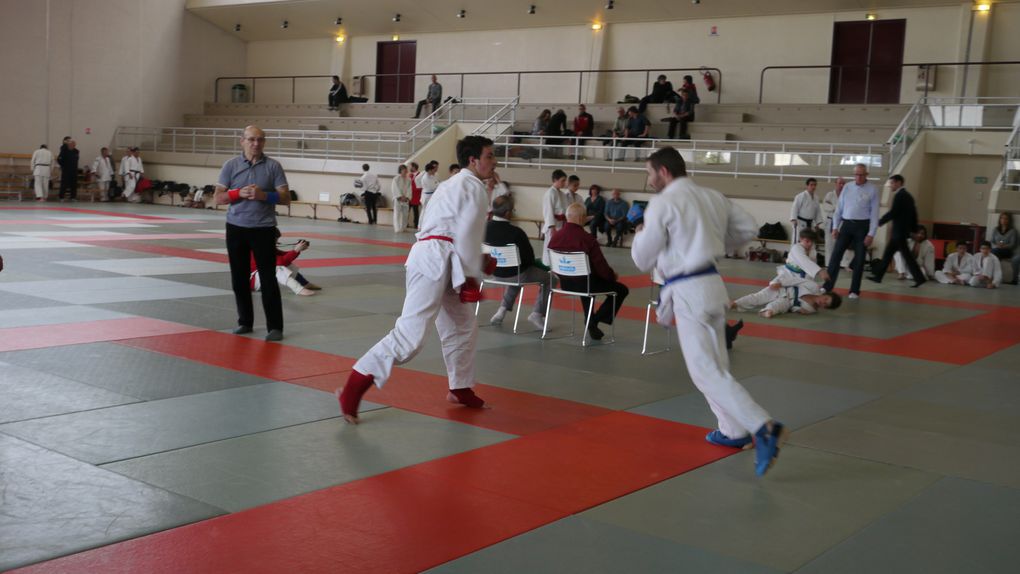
(709, 80)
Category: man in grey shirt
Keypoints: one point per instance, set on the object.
(253, 185)
(854, 222)
(434, 97)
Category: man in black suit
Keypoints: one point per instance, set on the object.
(903, 215)
(500, 232)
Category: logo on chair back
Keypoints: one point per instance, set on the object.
(498, 256)
(566, 265)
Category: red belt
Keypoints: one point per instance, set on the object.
(438, 237)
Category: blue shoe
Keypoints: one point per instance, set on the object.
(718, 438)
(766, 447)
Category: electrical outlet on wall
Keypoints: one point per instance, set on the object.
(980, 195)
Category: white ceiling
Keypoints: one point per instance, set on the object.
(260, 19)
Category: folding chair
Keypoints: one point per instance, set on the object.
(507, 256)
(653, 301)
(575, 264)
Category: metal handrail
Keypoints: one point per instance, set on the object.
(717, 76)
(714, 157)
(1011, 158)
(868, 68)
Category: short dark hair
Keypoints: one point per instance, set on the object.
(574, 178)
(596, 187)
(502, 205)
(689, 79)
(808, 234)
(454, 166)
(836, 300)
(632, 109)
(963, 244)
(670, 159)
(364, 167)
(558, 174)
(336, 78)
(471, 147)
(897, 178)
(661, 77)
(43, 146)
(810, 180)
(401, 168)
(987, 244)
(414, 164)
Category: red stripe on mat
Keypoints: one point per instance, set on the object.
(419, 517)
(140, 247)
(44, 336)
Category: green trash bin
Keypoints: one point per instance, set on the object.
(239, 94)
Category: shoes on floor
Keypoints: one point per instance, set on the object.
(497, 318)
(242, 330)
(275, 335)
(766, 446)
(537, 320)
(731, 332)
(874, 278)
(595, 332)
(716, 437)
(919, 283)
(313, 287)
(853, 296)
(466, 397)
(306, 292)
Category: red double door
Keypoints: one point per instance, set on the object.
(867, 59)
(394, 68)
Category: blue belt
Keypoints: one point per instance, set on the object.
(796, 270)
(710, 270)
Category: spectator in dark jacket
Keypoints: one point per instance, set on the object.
(68, 161)
(500, 232)
(595, 206)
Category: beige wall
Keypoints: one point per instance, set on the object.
(957, 197)
(1004, 46)
(72, 65)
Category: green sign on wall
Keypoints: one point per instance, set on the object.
(980, 179)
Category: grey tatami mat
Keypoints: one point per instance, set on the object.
(577, 545)
(260, 468)
(953, 526)
(133, 372)
(29, 394)
(129, 431)
(54, 505)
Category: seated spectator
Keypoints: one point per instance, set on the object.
(775, 299)
(498, 232)
(987, 269)
(683, 114)
(584, 123)
(619, 127)
(557, 125)
(958, 268)
(338, 95)
(662, 91)
(541, 125)
(692, 90)
(1005, 242)
(616, 219)
(287, 273)
(434, 97)
(923, 252)
(637, 128)
(595, 207)
(574, 238)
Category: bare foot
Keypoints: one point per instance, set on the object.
(766, 313)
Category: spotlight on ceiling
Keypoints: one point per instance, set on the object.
(462, 14)
(596, 26)
(396, 18)
(531, 9)
(237, 27)
(695, 2)
(982, 6)
(340, 39)
(396, 37)
(338, 22)
(871, 16)
(285, 24)
(610, 5)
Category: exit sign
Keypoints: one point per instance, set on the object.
(980, 179)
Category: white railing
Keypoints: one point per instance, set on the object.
(781, 160)
(500, 122)
(315, 144)
(1011, 171)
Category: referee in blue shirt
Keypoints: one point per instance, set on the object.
(854, 223)
(253, 185)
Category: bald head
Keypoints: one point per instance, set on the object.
(252, 142)
(576, 213)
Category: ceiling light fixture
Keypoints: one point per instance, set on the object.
(531, 9)
(983, 7)
(338, 22)
(237, 27)
(871, 16)
(285, 24)
(396, 18)
(610, 5)
(340, 39)
(462, 14)
(596, 26)
(396, 37)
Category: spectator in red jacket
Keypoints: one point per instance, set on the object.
(573, 237)
(287, 273)
(584, 124)
(415, 202)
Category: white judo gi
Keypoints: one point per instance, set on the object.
(962, 266)
(428, 184)
(554, 210)
(686, 229)
(436, 269)
(782, 300)
(102, 167)
(131, 170)
(987, 269)
(286, 275)
(42, 169)
(805, 213)
(400, 188)
(925, 259)
(800, 265)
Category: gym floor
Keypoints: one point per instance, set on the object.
(138, 435)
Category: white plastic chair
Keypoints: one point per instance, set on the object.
(575, 264)
(507, 256)
(653, 301)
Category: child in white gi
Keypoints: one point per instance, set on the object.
(805, 299)
(922, 250)
(801, 262)
(959, 267)
(987, 268)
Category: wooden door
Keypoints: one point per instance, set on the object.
(856, 45)
(394, 66)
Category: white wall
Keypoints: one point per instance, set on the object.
(314, 57)
(1004, 46)
(73, 65)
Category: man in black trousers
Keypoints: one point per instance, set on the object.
(903, 215)
(68, 160)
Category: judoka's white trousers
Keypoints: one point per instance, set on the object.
(775, 300)
(42, 186)
(399, 216)
(961, 279)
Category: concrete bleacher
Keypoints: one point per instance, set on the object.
(15, 175)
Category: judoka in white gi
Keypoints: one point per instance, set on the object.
(554, 211)
(801, 262)
(793, 289)
(131, 170)
(987, 268)
(686, 229)
(443, 272)
(805, 213)
(42, 170)
(400, 193)
(923, 252)
(102, 169)
(958, 268)
(427, 182)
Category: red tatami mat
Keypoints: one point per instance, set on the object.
(244, 354)
(43, 336)
(418, 517)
